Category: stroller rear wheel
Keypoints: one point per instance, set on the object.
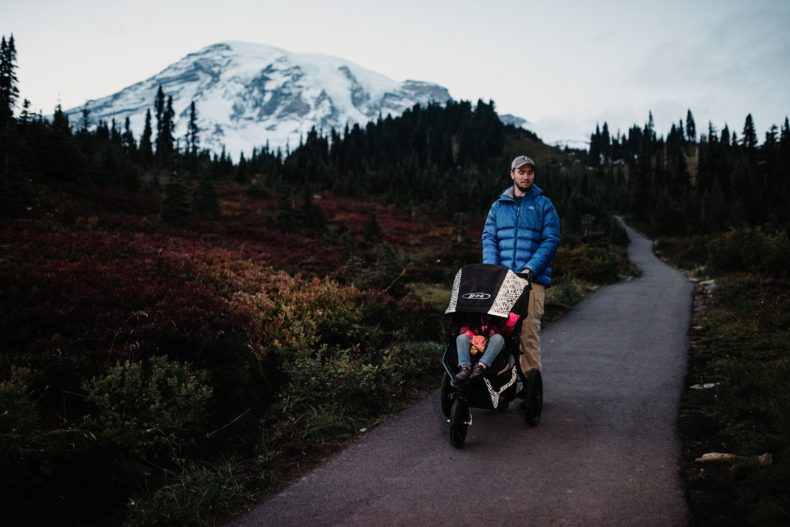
(460, 419)
(531, 408)
(445, 392)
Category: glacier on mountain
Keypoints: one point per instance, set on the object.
(249, 95)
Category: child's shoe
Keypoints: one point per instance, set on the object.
(480, 369)
(463, 373)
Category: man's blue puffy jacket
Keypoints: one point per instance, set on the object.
(522, 237)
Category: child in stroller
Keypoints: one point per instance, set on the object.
(481, 334)
(487, 307)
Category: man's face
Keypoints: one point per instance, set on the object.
(523, 177)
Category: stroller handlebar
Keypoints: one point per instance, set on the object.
(529, 276)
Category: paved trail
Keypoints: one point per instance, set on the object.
(605, 453)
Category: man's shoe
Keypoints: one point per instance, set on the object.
(480, 370)
(463, 373)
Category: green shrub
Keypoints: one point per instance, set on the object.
(339, 316)
(18, 409)
(343, 378)
(146, 406)
(195, 496)
(687, 253)
(330, 395)
(565, 293)
(300, 317)
(325, 422)
(404, 361)
(598, 264)
(750, 250)
(376, 268)
(18, 413)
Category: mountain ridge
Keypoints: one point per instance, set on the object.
(249, 95)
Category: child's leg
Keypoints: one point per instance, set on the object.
(495, 345)
(463, 344)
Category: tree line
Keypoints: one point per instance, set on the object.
(447, 158)
(439, 156)
(684, 183)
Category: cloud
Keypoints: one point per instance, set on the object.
(743, 50)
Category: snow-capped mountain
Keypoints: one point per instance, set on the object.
(579, 144)
(249, 94)
(515, 120)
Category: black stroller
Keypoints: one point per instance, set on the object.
(497, 291)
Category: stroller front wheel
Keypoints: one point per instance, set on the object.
(460, 419)
(445, 392)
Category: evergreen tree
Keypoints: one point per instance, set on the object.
(60, 123)
(86, 122)
(16, 196)
(146, 148)
(115, 134)
(713, 137)
(650, 128)
(127, 139)
(175, 208)
(595, 147)
(166, 127)
(691, 127)
(192, 132)
(60, 156)
(170, 125)
(9, 90)
(24, 116)
(159, 108)
(749, 133)
(242, 175)
(605, 142)
(205, 201)
(771, 138)
(725, 135)
(782, 173)
(101, 134)
(8, 95)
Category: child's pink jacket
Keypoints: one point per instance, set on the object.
(486, 328)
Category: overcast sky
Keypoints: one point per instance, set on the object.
(562, 65)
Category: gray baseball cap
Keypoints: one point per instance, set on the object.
(521, 161)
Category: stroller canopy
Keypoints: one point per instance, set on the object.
(487, 289)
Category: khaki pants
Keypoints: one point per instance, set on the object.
(530, 330)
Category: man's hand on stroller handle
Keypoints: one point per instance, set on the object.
(528, 275)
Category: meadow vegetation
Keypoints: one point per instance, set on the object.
(736, 399)
(169, 374)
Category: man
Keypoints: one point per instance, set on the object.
(522, 233)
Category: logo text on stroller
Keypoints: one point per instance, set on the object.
(476, 296)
